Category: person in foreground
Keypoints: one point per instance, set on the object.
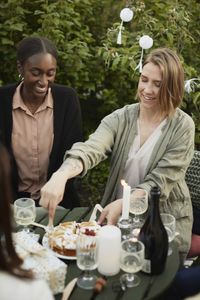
(186, 284)
(150, 143)
(39, 120)
(15, 283)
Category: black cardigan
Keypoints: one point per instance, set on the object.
(67, 130)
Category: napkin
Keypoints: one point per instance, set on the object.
(41, 261)
(26, 246)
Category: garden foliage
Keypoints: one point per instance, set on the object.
(102, 72)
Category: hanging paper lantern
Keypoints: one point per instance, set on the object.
(188, 84)
(145, 42)
(126, 15)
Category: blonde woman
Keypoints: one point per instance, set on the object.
(150, 143)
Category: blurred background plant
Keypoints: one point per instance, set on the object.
(102, 72)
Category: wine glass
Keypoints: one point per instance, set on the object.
(169, 223)
(138, 206)
(131, 261)
(24, 212)
(86, 253)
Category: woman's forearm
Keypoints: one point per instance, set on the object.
(70, 168)
(52, 192)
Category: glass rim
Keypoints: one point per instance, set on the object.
(173, 219)
(140, 189)
(125, 222)
(136, 241)
(145, 193)
(20, 200)
(87, 243)
(85, 236)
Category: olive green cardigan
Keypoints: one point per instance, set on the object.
(166, 168)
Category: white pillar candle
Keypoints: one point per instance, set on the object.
(126, 199)
(109, 240)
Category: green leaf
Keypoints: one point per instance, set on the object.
(6, 41)
(196, 97)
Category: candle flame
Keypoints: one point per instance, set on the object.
(123, 182)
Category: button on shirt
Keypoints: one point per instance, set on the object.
(32, 140)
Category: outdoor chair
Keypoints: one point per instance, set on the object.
(192, 178)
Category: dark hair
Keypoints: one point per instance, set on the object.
(32, 45)
(9, 260)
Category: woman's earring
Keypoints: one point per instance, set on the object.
(20, 77)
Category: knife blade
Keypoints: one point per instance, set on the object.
(68, 289)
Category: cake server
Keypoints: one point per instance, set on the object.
(45, 227)
(40, 225)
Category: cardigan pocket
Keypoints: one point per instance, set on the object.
(178, 202)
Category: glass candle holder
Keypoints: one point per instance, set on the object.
(126, 227)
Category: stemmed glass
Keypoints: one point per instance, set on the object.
(131, 261)
(169, 223)
(24, 212)
(138, 206)
(86, 253)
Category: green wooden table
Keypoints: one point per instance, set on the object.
(159, 285)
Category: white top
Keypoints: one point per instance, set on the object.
(138, 158)
(12, 287)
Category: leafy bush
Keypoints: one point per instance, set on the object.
(102, 72)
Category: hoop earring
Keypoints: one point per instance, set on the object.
(20, 77)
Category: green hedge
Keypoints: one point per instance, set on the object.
(102, 72)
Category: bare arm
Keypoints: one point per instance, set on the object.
(52, 192)
(71, 167)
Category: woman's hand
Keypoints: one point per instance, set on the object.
(52, 192)
(111, 212)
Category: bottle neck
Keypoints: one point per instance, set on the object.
(154, 206)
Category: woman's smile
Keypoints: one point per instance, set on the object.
(39, 74)
(149, 85)
(40, 89)
(147, 98)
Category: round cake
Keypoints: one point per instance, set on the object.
(63, 239)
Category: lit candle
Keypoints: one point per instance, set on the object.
(126, 199)
(109, 240)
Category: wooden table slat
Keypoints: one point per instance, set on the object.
(77, 214)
